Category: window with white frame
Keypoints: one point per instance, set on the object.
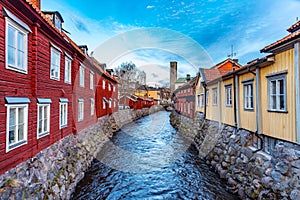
(16, 45)
(55, 64)
(68, 69)
(198, 100)
(114, 88)
(228, 93)
(109, 103)
(189, 108)
(207, 95)
(63, 110)
(248, 95)
(16, 122)
(215, 96)
(91, 80)
(103, 84)
(201, 100)
(80, 109)
(115, 103)
(81, 76)
(277, 93)
(104, 103)
(109, 87)
(43, 115)
(92, 106)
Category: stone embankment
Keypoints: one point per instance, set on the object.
(250, 173)
(54, 172)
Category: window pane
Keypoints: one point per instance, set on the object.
(273, 102)
(21, 132)
(21, 115)
(12, 125)
(11, 55)
(273, 87)
(282, 102)
(281, 86)
(11, 36)
(21, 42)
(20, 60)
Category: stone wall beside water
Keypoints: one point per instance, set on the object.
(253, 175)
(54, 172)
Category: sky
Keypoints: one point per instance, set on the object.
(151, 33)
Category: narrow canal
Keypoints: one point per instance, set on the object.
(149, 159)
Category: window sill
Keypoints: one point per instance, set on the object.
(228, 106)
(40, 135)
(63, 126)
(278, 111)
(16, 70)
(249, 109)
(54, 78)
(16, 145)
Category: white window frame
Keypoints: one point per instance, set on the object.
(277, 95)
(207, 97)
(103, 104)
(45, 130)
(114, 88)
(55, 66)
(228, 95)
(81, 75)
(92, 106)
(115, 103)
(63, 113)
(248, 95)
(109, 103)
(201, 100)
(80, 110)
(189, 108)
(103, 84)
(215, 96)
(17, 106)
(91, 80)
(109, 87)
(68, 69)
(18, 28)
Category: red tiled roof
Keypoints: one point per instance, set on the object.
(281, 41)
(294, 27)
(212, 74)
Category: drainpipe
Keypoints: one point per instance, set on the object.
(236, 100)
(204, 100)
(219, 104)
(258, 101)
(297, 86)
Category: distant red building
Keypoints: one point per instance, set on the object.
(184, 97)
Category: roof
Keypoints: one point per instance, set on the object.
(294, 27)
(181, 80)
(286, 39)
(189, 84)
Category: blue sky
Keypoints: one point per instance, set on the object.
(195, 33)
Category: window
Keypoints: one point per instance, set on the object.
(43, 122)
(81, 76)
(215, 96)
(16, 122)
(92, 106)
(207, 94)
(277, 93)
(109, 87)
(57, 22)
(248, 96)
(103, 84)
(80, 109)
(114, 88)
(189, 108)
(16, 44)
(104, 103)
(63, 109)
(269, 144)
(91, 80)
(68, 69)
(55, 64)
(198, 100)
(109, 103)
(228, 93)
(115, 103)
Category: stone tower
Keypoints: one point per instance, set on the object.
(173, 75)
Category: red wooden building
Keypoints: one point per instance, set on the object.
(48, 85)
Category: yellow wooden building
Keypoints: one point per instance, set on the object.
(262, 96)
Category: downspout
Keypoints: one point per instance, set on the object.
(219, 104)
(297, 86)
(236, 100)
(204, 100)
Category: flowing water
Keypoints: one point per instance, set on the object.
(149, 159)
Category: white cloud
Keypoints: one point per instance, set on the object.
(150, 7)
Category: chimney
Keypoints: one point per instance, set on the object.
(235, 61)
(188, 77)
(173, 75)
(36, 3)
(84, 49)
